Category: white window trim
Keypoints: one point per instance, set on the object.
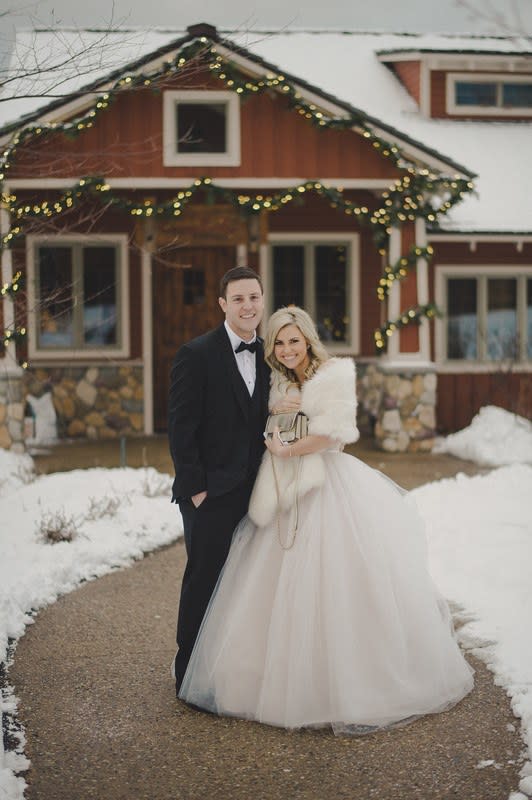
(78, 354)
(442, 273)
(452, 78)
(172, 158)
(353, 297)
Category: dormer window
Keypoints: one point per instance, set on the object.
(201, 128)
(497, 95)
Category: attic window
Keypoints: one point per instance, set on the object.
(201, 128)
(497, 95)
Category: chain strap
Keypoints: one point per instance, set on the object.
(296, 504)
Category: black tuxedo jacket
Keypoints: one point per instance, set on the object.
(208, 420)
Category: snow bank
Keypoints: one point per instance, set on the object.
(113, 516)
(479, 533)
(15, 470)
(494, 438)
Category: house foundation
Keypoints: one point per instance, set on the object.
(94, 402)
(11, 411)
(401, 405)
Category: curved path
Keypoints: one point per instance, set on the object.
(102, 720)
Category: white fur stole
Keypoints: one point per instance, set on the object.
(329, 401)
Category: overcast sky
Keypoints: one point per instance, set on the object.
(391, 15)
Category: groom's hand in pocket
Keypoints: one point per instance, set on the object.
(197, 499)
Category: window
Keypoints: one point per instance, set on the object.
(489, 317)
(494, 94)
(78, 297)
(193, 287)
(201, 128)
(320, 276)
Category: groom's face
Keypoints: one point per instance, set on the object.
(243, 306)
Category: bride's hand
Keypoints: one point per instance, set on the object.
(276, 447)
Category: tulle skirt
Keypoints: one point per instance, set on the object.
(344, 629)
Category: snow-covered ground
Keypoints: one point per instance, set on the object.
(479, 532)
(113, 516)
(495, 437)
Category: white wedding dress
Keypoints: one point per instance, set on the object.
(344, 629)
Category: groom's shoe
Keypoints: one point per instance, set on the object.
(173, 674)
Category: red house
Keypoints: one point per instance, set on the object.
(382, 181)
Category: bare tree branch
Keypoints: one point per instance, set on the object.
(509, 22)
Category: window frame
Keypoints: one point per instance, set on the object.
(452, 78)
(120, 242)
(171, 156)
(521, 273)
(309, 241)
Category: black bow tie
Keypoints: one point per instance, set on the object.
(251, 346)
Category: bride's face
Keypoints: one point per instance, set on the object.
(290, 348)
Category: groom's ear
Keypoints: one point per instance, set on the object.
(222, 302)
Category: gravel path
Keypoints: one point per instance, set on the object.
(102, 720)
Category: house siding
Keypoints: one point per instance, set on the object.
(126, 141)
(461, 394)
(409, 73)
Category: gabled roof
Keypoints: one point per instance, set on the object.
(342, 69)
(343, 108)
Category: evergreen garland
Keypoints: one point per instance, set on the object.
(410, 197)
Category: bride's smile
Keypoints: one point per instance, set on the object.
(291, 348)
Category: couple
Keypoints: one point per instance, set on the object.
(306, 599)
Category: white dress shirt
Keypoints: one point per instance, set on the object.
(245, 360)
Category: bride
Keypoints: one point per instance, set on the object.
(324, 614)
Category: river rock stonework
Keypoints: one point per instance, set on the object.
(11, 412)
(92, 402)
(401, 405)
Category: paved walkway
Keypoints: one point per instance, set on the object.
(102, 720)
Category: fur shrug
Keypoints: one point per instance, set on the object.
(329, 401)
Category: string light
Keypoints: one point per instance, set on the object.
(409, 198)
(401, 268)
(414, 314)
(13, 286)
(13, 335)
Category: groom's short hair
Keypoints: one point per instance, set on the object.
(238, 274)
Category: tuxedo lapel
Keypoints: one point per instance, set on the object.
(264, 371)
(233, 373)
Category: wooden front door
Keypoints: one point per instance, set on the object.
(185, 305)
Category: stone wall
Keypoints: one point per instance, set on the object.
(11, 411)
(402, 406)
(92, 402)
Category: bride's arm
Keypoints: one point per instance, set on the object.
(303, 447)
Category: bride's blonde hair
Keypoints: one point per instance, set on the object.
(293, 315)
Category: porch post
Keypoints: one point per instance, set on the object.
(9, 360)
(11, 389)
(147, 336)
(406, 418)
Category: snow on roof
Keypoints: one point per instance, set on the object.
(48, 65)
(500, 153)
(345, 65)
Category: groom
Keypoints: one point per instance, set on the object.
(218, 407)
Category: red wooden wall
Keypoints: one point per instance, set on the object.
(126, 141)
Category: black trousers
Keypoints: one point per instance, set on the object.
(208, 532)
